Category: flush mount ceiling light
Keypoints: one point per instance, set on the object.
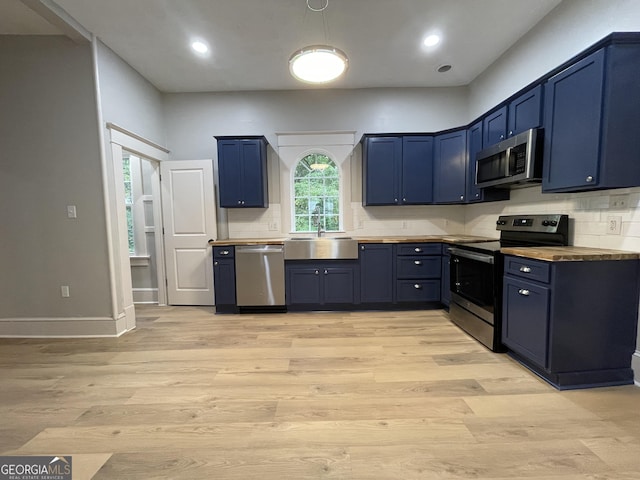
(318, 63)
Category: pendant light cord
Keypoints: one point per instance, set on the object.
(321, 9)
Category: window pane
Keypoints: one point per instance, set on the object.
(132, 246)
(316, 194)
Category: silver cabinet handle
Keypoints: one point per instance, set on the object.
(510, 132)
(361, 247)
(461, 197)
(404, 199)
(215, 263)
(523, 292)
(326, 272)
(455, 260)
(417, 262)
(395, 200)
(589, 179)
(417, 250)
(225, 252)
(317, 272)
(525, 269)
(417, 286)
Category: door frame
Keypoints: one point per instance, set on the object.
(122, 139)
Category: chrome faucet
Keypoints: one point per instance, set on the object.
(320, 231)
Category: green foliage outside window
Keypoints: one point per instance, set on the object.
(316, 194)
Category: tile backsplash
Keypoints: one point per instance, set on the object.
(591, 214)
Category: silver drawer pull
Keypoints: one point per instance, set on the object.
(317, 273)
(224, 252)
(215, 263)
(523, 292)
(417, 262)
(417, 250)
(326, 272)
(525, 269)
(417, 286)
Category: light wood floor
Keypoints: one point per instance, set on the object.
(402, 395)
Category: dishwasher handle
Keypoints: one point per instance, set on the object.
(268, 249)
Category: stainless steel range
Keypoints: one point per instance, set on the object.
(477, 269)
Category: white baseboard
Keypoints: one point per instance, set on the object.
(145, 296)
(73, 327)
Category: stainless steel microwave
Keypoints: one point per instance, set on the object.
(513, 162)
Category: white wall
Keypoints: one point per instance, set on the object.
(564, 32)
(49, 158)
(568, 29)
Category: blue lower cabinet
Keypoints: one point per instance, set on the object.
(575, 325)
(224, 279)
(376, 272)
(321, 284)
(418, 272)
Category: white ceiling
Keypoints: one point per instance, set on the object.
(252, 40)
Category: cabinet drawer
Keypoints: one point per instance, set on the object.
(419, 249)
(418, 290)
(526, 268)
(223, 252)
(418, 267)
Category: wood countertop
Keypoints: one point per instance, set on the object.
(363, 239)
(570, 254)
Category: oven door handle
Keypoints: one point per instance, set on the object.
(471, 255)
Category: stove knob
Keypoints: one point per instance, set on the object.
(501, 222)
(553, 223)
(546, 223)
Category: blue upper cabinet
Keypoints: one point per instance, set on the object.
(525, 112)
(592, 120)
(474, 145)
(495, 126)
(417, 170)
(450, 167)
(520, 114)
(381, 161)
(242, 172)
(475, 194)
(397, 170)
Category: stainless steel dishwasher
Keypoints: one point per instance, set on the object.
(260, 275)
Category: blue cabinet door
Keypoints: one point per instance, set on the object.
(242, 172)
(573, 111)
(417, 170)
(495, 127)
(303, 285)
(254, 178)
(450, 167)
(229, 173)
(525, 313)
(525, 112)
(224, 282)
(376, 273)
(338, 285)
(381, 160)
(474, 145)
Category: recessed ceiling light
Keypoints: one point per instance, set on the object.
(444, 68)
(199, 47)
(431, 40)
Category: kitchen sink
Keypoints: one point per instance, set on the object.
(325, 248)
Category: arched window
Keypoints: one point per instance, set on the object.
(316, 185)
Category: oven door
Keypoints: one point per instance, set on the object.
(473, 279)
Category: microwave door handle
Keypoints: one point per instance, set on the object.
(506, 164)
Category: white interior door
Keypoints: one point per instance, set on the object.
(189, 218)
